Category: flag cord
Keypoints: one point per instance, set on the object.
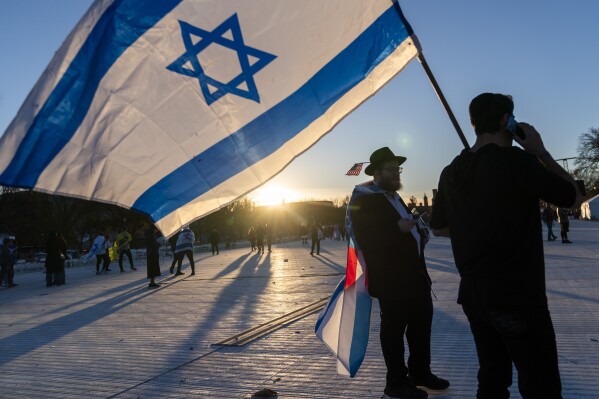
(437, 89)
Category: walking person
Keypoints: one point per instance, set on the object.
(268, 237)
(549, 216)
(214, 241)
(252, 237)
(316, 235)
(152, 254)
(184, 248)
(6, 264)
(172, 241)
(60, 278)
(110, 252)
(100, 249)
(123, 240)
(56, 250)
(564, 223)
(502, 270)
(260, 237)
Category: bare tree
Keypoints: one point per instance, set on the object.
(412, 203)
(587, 163)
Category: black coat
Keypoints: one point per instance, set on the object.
(152, 252)
(56, 248)
(395, 269)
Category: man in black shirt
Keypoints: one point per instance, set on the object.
(488, 204)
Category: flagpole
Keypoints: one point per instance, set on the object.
(437, 89)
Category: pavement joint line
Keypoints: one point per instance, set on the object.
(261, 330)
(163, 373)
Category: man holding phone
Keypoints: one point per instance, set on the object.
(488, 204)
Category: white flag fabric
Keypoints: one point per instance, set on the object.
(175, 108)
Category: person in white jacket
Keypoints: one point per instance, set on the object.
(184, 247)
(99, 248)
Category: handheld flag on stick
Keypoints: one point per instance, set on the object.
(175, 108)
(356, 169)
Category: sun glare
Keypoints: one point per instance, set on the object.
(274, 195)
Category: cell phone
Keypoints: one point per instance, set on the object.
(513, 128)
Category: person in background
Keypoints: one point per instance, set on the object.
(172, 241)
(56, 249)
(252, 237)
(260, 237)
(152, 254)
(12, 246)
(99, 250)
(184, 248)
(564, 223)
(123, 240)
(316, 235)
(549, 217)
(6, 265)
(268, 237)
(110, 255)
(214, 241)
(60, 278)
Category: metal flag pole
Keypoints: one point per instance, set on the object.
(437, 89)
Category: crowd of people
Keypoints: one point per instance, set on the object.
(258, 236)
(562, 215)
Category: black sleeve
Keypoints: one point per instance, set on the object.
(535, 179)
(439, 217)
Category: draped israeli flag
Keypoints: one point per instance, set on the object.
(344, 323)
(175, 108)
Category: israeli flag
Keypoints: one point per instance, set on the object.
(175, 108)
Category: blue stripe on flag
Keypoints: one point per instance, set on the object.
(72, 96)
(361, 331)
(268, 132)
(332, 300)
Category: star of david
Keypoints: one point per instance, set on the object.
(212, 88)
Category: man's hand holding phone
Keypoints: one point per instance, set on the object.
(533, 144)
(532, 141)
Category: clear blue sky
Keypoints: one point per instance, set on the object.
(544, 53)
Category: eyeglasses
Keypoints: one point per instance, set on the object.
(392, 169)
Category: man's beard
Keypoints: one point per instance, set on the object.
(389, 185)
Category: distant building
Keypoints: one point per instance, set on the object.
(425, 200)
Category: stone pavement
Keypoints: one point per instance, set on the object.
(110, 336)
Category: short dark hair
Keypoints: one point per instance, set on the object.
(487, 109)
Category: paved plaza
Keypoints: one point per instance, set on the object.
(110, 336)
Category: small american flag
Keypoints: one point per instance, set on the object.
(355, 170)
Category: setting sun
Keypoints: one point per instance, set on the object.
(274, 194)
